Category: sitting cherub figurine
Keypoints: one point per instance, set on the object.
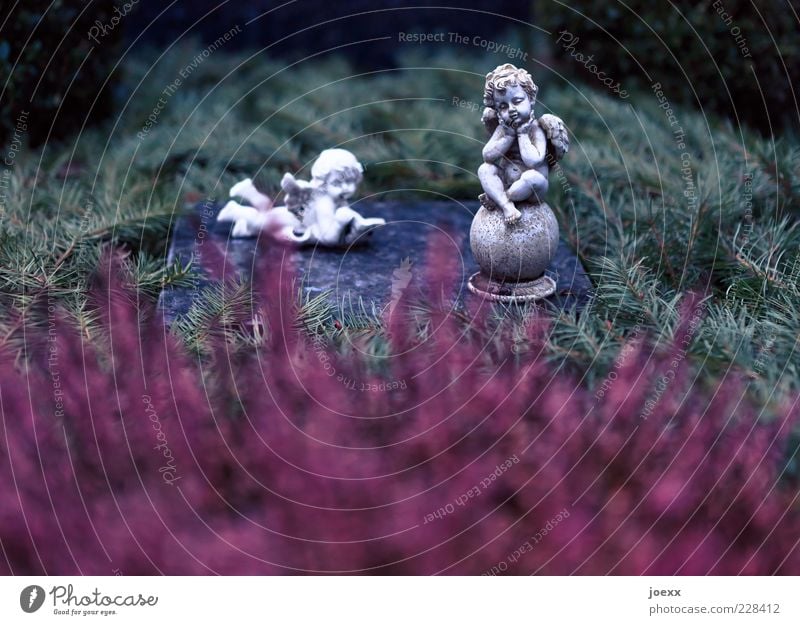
(514, 234)
(315, 212)
(516, 163)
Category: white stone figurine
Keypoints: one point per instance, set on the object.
(315, 212)
(514, 234)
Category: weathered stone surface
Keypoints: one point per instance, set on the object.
(518, 251)
(367, 271)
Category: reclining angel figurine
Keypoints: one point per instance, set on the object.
(315, 211)
(517, 157)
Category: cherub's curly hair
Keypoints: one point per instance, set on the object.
(504, 76)
(337, 160)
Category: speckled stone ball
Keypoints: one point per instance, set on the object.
(518, 251)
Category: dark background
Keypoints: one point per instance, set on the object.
(51, 69)
(308, 26)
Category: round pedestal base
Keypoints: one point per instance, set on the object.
(526, 291)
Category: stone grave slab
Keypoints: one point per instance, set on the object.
(364, 271)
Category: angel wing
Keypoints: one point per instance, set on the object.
(489, 119)
(298, 194)
(557, 137)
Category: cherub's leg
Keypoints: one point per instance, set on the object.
(531, 184)
(492, 183)
(247, 190)
(282, 224)
(247, 221)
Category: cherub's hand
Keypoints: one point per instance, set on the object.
(509, 130)
(525, 129)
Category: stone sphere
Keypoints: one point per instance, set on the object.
(518, 251)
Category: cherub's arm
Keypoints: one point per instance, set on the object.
(532, 149)
(498, 145)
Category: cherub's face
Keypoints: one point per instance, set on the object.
(512, 105)
(340, 185)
